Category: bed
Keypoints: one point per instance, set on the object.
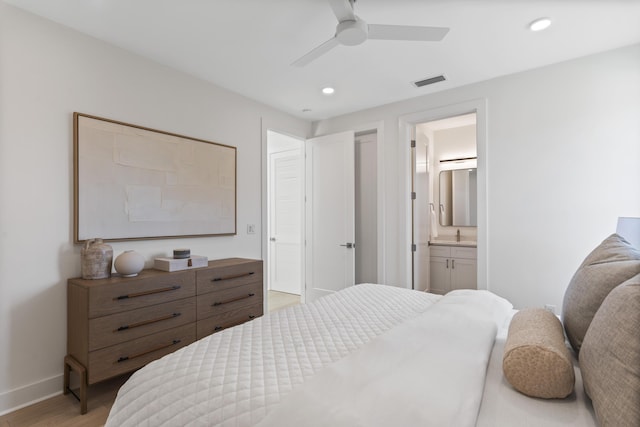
(370, 355)
(503, 406)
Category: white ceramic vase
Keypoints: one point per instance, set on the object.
(129, 263)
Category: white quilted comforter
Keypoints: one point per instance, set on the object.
(429, 371)
(234, 377)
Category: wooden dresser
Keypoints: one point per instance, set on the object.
(120, 324)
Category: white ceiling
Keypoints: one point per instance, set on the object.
(247, 46)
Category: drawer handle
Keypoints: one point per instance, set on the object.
(217, 303)
(219, 328)
(236, 276)
(125, 358)
(144, 293)
(147, 322)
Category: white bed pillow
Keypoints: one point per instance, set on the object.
(497, 307)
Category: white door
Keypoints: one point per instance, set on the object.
(285, 221)
(330, 231)
(421, 216)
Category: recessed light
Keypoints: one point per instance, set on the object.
(540, 24)
(328, 90)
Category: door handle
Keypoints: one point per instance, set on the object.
(273, 239)
(453, 265)
(349, 245)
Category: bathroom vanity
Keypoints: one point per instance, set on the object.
(453, 258)
(453, 265)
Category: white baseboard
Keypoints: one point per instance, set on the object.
(15, 399)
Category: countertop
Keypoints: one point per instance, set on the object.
(451, 241)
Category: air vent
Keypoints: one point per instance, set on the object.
(429, 81)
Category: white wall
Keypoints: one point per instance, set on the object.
(46, 73)
(563, 162)
(454, 143)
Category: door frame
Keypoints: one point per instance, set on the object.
(406, 124)
(298, 131)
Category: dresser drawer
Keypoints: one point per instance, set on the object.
(230, 299)
(228, 276)
(121, 327)
(218, 322)
(131, 355)
(140, 292)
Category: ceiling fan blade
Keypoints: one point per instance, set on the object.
(343, 10)
(407, 32)
(316, 53)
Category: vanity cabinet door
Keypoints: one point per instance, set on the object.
(439, 279)
(463, 274)
(452, 267)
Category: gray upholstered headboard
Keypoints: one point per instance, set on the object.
(629, 228)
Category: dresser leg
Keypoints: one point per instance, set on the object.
(70, 363)
(65, 387)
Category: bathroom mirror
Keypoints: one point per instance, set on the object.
(458, 197)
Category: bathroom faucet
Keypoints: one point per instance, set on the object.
(458, 235)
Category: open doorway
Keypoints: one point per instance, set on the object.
(287, 205)
(445, 204)
(285, 201)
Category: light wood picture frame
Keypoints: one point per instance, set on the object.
(133, 183)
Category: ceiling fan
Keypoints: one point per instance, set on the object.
(352, 31)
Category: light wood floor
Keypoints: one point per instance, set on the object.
(278, 300)
(64, 410)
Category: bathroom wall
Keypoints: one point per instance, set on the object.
(452, 143)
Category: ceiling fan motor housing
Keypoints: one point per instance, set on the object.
(352, 33)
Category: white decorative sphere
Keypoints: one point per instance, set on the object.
(129, 263)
